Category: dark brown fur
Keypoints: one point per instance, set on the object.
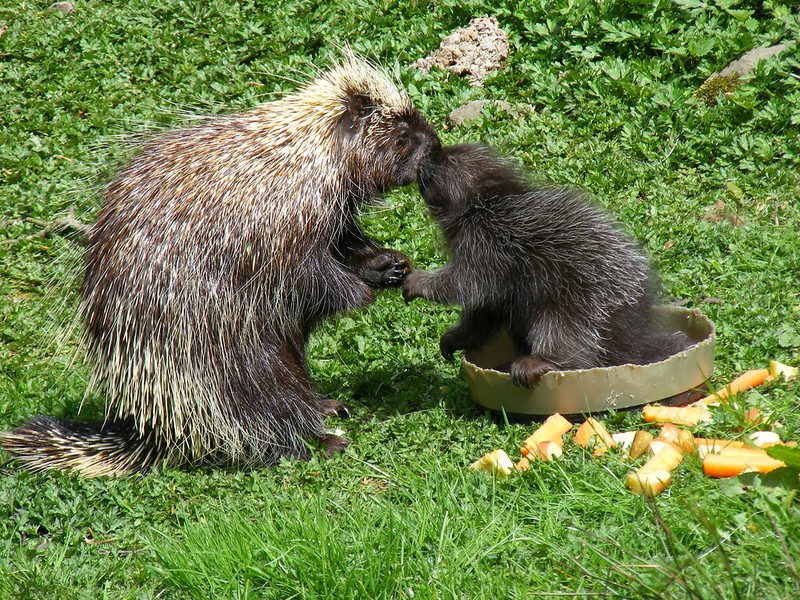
(553, 269)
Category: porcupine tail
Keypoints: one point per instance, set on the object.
(91, 448)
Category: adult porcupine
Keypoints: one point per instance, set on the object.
(217, 250)
(571, 288)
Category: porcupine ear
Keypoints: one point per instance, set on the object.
(358, 109)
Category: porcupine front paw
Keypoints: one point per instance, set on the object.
(386, 268)
(526, 370)
(333, 408)
(415, 285)
(333, 443)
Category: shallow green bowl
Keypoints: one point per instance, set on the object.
(594, 390)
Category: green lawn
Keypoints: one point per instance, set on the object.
(606, 91)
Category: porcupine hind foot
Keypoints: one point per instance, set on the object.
(526, 370)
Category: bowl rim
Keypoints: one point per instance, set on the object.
(600, 388)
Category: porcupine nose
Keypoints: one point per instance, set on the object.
(434, 157)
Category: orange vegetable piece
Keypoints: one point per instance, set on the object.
(654, 476)
(593, 431)
(552, 430)
(745, 381)
(731, 465)
(718, 444)
(641, 443)
(549, 450)
(679, 436)
(686, 415)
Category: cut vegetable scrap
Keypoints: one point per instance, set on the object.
(715, 446)
(745, 381)
(777, 370)
(548, 451)
(552, 430)
(719, 444)
(625, 439)
(658, 445)
(592, 432)
(686, 415)
(731, 465)
(641, 444)
(764, 439)
(496, 462)
(754, 417)
(654, 476)
(683, 438)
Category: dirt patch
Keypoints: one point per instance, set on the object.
(475, 51)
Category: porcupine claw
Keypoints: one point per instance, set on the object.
(526, 370)
(333, 408)
(388, 268)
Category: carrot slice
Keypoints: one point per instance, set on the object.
(552, 430)
(731, 465)
(686, 415)
(593, 431)
(654, 476)
(641, 443)
(496, 462)
(719, 444)
(745, 381)
(683, 438)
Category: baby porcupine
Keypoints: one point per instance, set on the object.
(572, 289)
(217, 250)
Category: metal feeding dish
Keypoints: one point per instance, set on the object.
(599, 389)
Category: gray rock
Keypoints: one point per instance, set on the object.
(749, 60)
(64, 7)
(474, 108)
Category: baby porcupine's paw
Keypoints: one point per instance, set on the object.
(415, 285)
(448, 345)
(526, 370)
(333, 443)
(333, 408)
(446, 348)
(387, 268)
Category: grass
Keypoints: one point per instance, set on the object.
(607, 92)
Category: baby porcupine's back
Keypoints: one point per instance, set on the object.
(546, 250)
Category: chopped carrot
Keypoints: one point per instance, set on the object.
(548, 451)
(777, 370)
(753, 417)
(654, 476)
(683, 438)
(686, 415)
(742, 452)
(659, 444)
(718, 443)
(552, 430)
(641, 443)
(745, 381)
(592, 431)
(624, 439)
(765, 439)
(731, 465)
(496, 462)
